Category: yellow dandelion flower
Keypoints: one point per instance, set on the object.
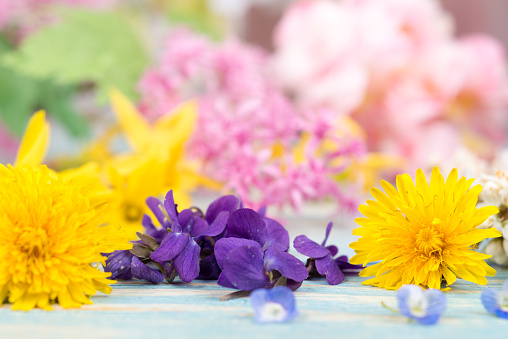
(423, 234)
(52, 235)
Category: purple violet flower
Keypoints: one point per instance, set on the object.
(496, 301)
(119, 264)
(321, 262)
(277, 304)
(187, 229)
(254, 255)
(423, 306)
(124, 264)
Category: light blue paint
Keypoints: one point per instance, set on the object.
(194, 311)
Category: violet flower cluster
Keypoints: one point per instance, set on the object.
(250, 135)
(241, 248)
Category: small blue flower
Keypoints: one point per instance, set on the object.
(275, 305)
(423, 306)
(496, 301)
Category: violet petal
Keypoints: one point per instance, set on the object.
(142, 271)
(333, 250)
(187, 262)
(328, 267)
(309, 248)
(154, 204)
(226, 245)
(244, 268)
(169, 205)
(328, 230)
(192, 223)
(287, 264)
(119, 264)
(171, 246)
(208, 268)
(228, 203)
(151, 230)
(223, 280)
(247, 224)
(343, 263)
(276, 235)
(218, 225)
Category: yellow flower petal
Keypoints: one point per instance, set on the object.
(35, 141)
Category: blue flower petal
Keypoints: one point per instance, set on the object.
(171, 246)
(425, 307)
(288, 265)
(169, 205)
(309, 248)
(490, 300)
(244, 268)
(502, 314)
(225, 245)
(436, 302)
(328, 267)
(228, 203)
(142, 271)
(247, 224)
(283, 296)
(428, 320)
(258, 298)
(276, 235)
(404, 293)
(187, 262)
(275, 305)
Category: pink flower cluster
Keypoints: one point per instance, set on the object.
(250, 135)
(395, 67)
(26, 16)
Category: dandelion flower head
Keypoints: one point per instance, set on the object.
(52, 234)
(423, 234)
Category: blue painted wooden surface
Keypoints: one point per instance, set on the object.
(139, 310)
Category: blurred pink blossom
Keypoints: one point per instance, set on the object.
(395, 67)
(249, 131)
(8, 143)
(26, 16)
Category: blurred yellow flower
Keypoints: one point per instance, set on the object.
(156, 162)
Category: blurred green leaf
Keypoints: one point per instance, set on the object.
(18, 96)
(21, 95)
(57, 100)
(85, 46)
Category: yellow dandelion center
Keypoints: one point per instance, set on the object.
(423, 233)
(50, 235)
(429, 241)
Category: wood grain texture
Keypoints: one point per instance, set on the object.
(349, 310)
